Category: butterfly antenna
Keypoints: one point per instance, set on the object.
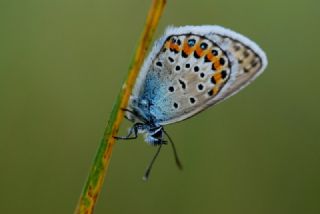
(148, 170)
(176, 157)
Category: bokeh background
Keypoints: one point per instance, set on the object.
(62, 64)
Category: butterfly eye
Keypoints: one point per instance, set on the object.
(173, 40)
(191, 42)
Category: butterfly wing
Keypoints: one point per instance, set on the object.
(191, 68)
(251, 60)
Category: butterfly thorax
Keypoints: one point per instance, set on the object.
(153, 134)
(142, 110)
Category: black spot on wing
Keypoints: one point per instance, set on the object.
(183, 84)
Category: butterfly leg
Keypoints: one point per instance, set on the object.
(134, 114)
(132, 131)
(126, 116)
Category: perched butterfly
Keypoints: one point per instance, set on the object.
(189, 69)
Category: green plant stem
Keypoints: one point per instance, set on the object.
(94, 182)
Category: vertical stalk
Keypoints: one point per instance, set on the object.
(93, 185)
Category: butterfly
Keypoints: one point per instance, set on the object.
(189, 69)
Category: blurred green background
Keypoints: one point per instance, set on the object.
(62, 64)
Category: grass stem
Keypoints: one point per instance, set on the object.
(93, 185)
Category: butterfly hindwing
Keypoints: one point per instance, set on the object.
(191, 68)
(250, 58)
